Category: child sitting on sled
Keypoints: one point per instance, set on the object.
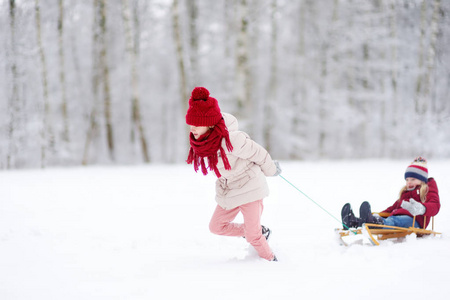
(419, 197)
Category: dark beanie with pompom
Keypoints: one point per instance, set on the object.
(203, 110)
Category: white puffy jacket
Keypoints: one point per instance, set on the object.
(250, 164)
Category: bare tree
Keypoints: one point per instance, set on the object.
(394, 107)
(426, 55)
(105, 79)
(243, 88)
(62, 72)
(431, 57)
(271, 99)
(133, 53)
(420, 104)
(93, 128)
(325, 49)
(47, 137)
(179, 54)
(13, 105)
(298, 99)
(192, 8)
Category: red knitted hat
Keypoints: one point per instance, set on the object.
(203, 110)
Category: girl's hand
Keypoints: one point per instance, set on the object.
(277, 164)
(415, 208)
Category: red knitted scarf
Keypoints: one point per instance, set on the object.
(207, 146)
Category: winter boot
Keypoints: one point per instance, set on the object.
(348, 217)
(365, 213)
(376, 220)
(366, 216)
(265, 232)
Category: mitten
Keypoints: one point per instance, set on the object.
(277, 164)
(414, 207)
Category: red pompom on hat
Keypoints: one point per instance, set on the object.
(200, 93)
(203, 110)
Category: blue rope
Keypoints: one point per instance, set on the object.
(317, 204)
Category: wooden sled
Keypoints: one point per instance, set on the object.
(376, 232)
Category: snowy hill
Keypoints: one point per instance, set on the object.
(142, 233)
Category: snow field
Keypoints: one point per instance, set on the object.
(141, 232)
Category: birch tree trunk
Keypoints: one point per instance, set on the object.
(243, 92)
(431, 57)
(229, 13)
(105, 80)
(13, 105)
(420, 103)
(393, 151)
(47, 138)
(62, 72)
(298, 101)
(322, 108)
(133, 53)
(271, 100)
(179, 54)
(93, 123)
(193, 41)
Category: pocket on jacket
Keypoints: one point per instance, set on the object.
(237, 184)
(223, 186)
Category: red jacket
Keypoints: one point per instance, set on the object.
(432, 203)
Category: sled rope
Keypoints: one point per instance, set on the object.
(354, 232)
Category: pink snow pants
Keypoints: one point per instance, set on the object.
(221, 224)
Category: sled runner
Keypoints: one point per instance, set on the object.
(377, 232)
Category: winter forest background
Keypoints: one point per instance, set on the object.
(100, 82)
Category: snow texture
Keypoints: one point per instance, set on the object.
(142, 233)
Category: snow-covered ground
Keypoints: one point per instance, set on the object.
(142, 233)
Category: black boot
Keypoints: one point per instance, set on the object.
(377, 220)
(265, 232)
(365, 214)
(348, 217)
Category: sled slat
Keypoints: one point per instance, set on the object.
(376, 232)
